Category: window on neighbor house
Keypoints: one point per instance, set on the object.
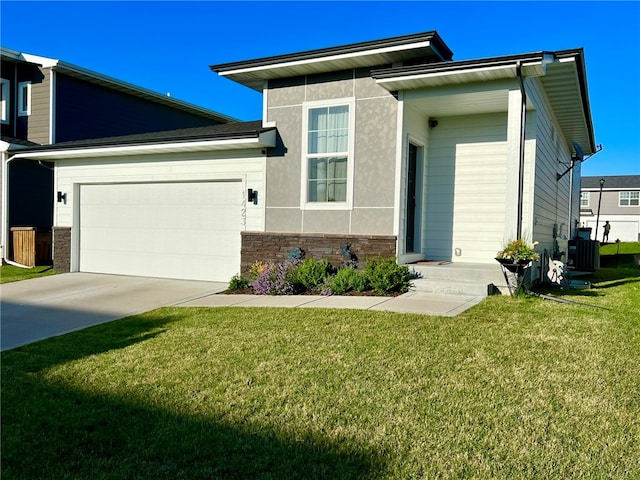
(24, 98)
(328, 154)
(629, 199)
(4, 100)
(584, 199)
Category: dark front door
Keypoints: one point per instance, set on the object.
(410, 232)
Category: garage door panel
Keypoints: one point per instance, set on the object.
(160, 242)
(175, 230)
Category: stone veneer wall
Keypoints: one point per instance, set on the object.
(62, 249)
(274, 246)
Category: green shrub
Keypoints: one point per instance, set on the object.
(311, 273)
(386, 276)
(238, 283)
(348, 279)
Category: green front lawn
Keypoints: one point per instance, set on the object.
(513, 388)
(10, 273)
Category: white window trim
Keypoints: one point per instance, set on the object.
(21, 92)
(588, 195)
(628, 199)
(304, 180)
(5, 106)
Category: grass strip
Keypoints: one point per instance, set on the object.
(11, 273)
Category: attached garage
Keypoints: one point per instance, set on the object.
(167, 204)
(182, 230)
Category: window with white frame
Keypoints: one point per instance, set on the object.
(4, 100)
(584, 199)
(629, 199)
(24, 98)
(328, 152)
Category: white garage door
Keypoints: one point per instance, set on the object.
(171, 230)
(624, 230)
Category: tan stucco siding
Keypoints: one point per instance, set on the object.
(283, 173)
(374, 221)
(374, 155)
(375, 152)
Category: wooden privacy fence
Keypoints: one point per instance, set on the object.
(30, 247)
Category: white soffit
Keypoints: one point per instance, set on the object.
(254, 76)
(559, 79)
(454, 104)
(458, 77)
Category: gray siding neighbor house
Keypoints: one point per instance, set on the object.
(619, 205)
(47, 101)
(389, 147)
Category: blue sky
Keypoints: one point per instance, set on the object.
(168, 46)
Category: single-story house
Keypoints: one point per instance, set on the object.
(387, 147)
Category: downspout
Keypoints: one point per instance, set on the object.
(571, 228)
(523, 122)
(5, 212)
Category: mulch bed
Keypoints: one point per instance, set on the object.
(368, 293)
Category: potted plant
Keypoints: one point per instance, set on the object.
(518, 252)
(516, 257)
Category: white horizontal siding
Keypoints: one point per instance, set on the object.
(247, 167)
(550, 197)
(466, 184)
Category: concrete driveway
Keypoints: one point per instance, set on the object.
(44, 307)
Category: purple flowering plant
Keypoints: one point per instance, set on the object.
(273, 279)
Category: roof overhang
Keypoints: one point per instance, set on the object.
(424, 47)
(562, 75)
(52, 153)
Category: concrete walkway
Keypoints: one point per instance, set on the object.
(422, 303)
(40, 308)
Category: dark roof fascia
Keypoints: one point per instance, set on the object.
(19, 142)
(113, 83)
(9, 55)
(439, 46)
(620, 182)
(238, 131)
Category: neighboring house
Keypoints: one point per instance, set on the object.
(46, 101)
(619, 205)
(388, 147)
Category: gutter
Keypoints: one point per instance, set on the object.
(265, 139)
